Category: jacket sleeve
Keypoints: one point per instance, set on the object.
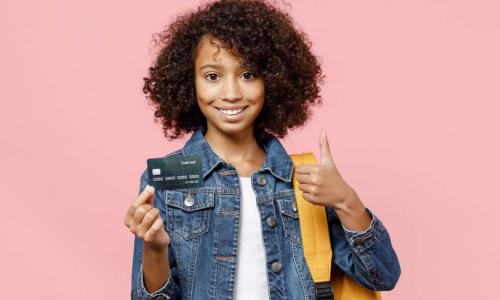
(366, 256)
(171, 288)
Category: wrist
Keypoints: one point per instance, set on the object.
(350, 203)
(353, 214)
(155, 249)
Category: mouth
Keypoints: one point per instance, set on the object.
(231, 111)
(232, 114)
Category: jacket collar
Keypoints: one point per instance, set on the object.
(277, 160)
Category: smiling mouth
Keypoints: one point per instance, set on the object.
(231, 112)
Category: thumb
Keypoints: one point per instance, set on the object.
(150, 190)
(325, 157)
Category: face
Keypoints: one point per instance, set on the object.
(229, 95)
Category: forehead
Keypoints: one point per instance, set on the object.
(212, 50)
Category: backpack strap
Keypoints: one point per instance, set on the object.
(315, 235)
(317, 248)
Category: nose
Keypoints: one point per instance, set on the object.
(231, 90)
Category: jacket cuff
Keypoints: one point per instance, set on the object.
(161, 293)
(360, 238)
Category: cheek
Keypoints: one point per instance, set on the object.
(257, 93)
(205, 92)
(202, 93)
(198, 87)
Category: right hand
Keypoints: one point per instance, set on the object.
(144, 220)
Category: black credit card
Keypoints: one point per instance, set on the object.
(176, 172)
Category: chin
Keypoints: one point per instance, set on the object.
(232, 129)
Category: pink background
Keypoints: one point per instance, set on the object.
(411, 107)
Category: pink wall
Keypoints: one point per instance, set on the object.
(411, 107)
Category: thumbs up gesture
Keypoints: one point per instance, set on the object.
(322, 183)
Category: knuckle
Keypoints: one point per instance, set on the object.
(155, 229)
(143, 209)
(152, 214)
(160, 226)
(314, 190)
(147, 218)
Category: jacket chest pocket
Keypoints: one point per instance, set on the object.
(188, 213)
(289, 215)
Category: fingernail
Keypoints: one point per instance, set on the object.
(149, 188)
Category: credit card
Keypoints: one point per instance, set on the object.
(176, 172)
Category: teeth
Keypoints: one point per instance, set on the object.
(231, 112)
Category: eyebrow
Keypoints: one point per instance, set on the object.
(210, 66)
(217, 67)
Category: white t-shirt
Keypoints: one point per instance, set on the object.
(251, 277)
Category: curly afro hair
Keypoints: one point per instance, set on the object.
(268, 43)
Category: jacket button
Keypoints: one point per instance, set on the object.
(271, 221)
(189, 201)
(276, 267)
(294, 206)
(361, 240)
(261, 180)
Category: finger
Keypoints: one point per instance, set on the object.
(153, 231)
(306, 169)
(144, 196)
(306, 178)
(309, 197)
(139, 213)
(147, 221)
(325, 156)
(308, 188)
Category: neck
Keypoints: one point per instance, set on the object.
(233, 148)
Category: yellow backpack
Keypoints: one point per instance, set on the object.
(317, 249)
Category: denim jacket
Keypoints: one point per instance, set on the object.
(204, 235)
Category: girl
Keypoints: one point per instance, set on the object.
(238, 75)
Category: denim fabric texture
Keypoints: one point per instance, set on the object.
(204, 235)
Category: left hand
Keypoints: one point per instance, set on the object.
(321, 183)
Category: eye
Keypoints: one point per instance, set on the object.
(212, 76)
(248, 75)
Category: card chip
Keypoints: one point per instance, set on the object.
(156, 171)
